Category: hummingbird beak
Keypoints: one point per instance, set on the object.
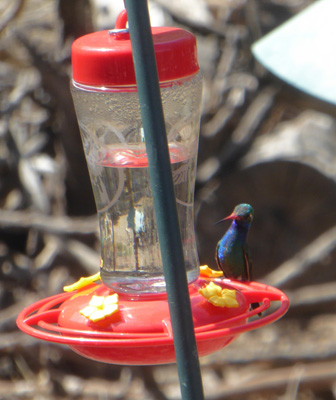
(231, 216)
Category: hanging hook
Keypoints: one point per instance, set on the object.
(120, 26)
(121, 20)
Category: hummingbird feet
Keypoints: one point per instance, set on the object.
(254, 306)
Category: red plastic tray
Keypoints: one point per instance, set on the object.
(142, 333)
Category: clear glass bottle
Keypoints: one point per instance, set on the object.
(108, 112)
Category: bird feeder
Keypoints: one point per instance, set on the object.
(125, 317)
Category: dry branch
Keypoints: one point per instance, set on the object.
(310, 376)
(57, 225)
(302, 261)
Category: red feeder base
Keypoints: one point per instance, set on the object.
(140, 332)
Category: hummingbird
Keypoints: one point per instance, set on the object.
(232, 254)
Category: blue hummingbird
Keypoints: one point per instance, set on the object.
(232, 254)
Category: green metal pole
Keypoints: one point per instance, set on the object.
(164, 200)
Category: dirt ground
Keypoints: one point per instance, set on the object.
(261, 142)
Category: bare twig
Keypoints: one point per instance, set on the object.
(87, 257)
(306, 375)
(10, 12)
(313, 295)
(304, 260)
(50, 224)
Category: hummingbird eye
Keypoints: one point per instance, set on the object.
(247, 217)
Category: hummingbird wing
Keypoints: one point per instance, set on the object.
(248, 264)
(248, 269)
(217, 258)
(220, 261)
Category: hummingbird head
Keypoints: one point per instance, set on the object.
(242, 212)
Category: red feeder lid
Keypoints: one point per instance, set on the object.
(105, 58)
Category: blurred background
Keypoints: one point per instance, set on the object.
(262, 142)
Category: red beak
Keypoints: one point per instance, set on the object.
(231, 216)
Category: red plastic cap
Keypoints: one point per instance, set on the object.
(105, 58)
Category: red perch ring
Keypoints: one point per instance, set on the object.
(140, 333)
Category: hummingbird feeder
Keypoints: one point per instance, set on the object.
(126, 318)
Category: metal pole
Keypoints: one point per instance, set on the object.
(164, 200)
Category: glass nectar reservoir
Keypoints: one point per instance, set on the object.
(105, 96)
